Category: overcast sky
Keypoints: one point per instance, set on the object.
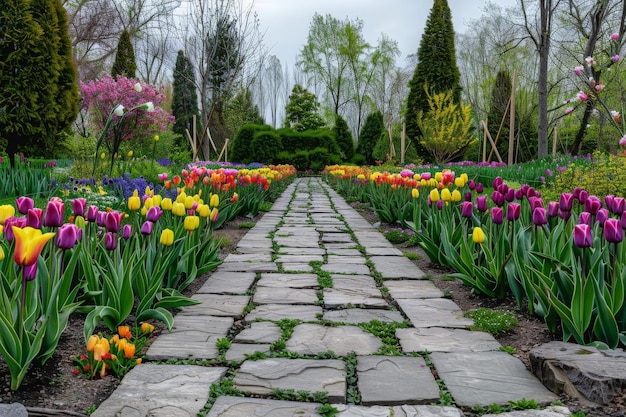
(286, 22)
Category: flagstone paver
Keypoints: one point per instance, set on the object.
(263, 376)
(303, 226)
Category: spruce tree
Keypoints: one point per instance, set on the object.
(124, 58)
(373, 128)
(436, 69)
(184, 98)
(343, 137)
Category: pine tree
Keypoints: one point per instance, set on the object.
(373, 128)
(124, 58)
(343, 137)
(302, 111)
(184, 98)
(436, 69)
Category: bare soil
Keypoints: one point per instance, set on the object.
(53, 389)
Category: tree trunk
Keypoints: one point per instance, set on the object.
(582, 129)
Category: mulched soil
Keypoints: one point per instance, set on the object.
(53, 390)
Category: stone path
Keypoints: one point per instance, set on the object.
(307, 282)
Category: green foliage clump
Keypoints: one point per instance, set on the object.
(265, 146)
(242, 144)
(372, 130)
(397, 235)
(302, 111)
(605, 176)
(492, 321)
(343, 137)
(124, 58)
(184, 98)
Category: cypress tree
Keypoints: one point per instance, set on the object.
(184, 98)
(343, 137)
(124, 58)
(436, 69)
(373, 128)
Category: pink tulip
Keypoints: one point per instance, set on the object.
(582, 236)
(78, 206)
(34, 218)
(613, 231)
(110, 241)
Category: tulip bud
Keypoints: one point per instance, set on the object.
(146, 228)
(191, 223)
(434, 195)
(497, 215)
(613, 231)
(78, 206)
(601, 216)
(127, 231)
(214, 201)
(110, 241)
(154, 213)
(178, 209)
(478, 236)
(481, 203)
(466, 209)
(53, 216)
(24, 204)
(34, 218)
(539, 216)
(167, 237)
(584, 218)
(582, 236)
(6, 211)
(414, 193)
(67, 236)
(553, 209)
(513, 211)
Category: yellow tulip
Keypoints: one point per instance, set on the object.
(149, 202)
(167, 238)
(415, 193)
(456, 196)
(134, 203)
(214, 201)
(102, 155)
(191, 223)
(156, 200)
(156, 138)
(6, 211)
(147, 327)
(91, 342)
(459, 182)
(166, 204)
(130, 154)
(178, 209)
(189, 201)
(478, 236)
(434, 195)
(203, 210)
(1, 254)
(180, 198)
(446, 195)
(29, 243)
(438, 176)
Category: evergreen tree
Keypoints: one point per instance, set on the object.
(124, 58)
(436, 69)
(241, 110)
(343, 137)
(302, 111)
(39, 94)
(500, 94)
(373, 128)
(184, 98)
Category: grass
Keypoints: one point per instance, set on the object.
(246, 225)
(492, 321)
(412, 256)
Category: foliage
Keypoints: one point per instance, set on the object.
(241, 110)
(184, 98)
(266, 145)
(492, 321)
(372, 130)
(124, 63)
(398, 235)
(343, 137)
(302, 110)
(447, 128)
(436, 69)
(499, 107)
(604, 175)
(241, 148)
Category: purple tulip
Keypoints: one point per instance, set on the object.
(519, 194)
(480, 188)
(608, 201)
(110, 241)
(525, 188)
(154, 213)
(471, 184)
(9, 222)
(583, 196)
(34, 218)
(78, 206)
(565, 201)
(618, 205)
(584, 218)
(113, 221)
(613, 231)
(127, 231)
(539, 216)
(623, 219)
(602, 216)
(467, 196)
(497, 198)
(582, 236)
(513, 211)
(565, 214)
(592, 204)
(24, 204)
(503, 188)
(440, 204)
(535, 202)
(497, 215)
(92, 213)
(67, 236)
(481, 203)
(53, 216)
(30, 272)
(510, 195)
(496, 182)
(466, 209)
(576, 193)
(553, 209)
(146, 228)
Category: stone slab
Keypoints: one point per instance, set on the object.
(439, 339)
(249, 267)
(397, 411)
(345, 268)
(296, 242)
(248, 257)
(396, 267)
(219, 305)
(395, 380)
(378, 251)
(552, 411)
(412, 289)
(13, 410)
(259, 332)
(434, 312)
(336, 259)
(227, 283)
(161, 391)
(484, 378)
(344, 252)
(275, 312)
(301, 251)
(596, 375)
(334, 298)
(279, 280)
(226, 406)
(362, 315)
(286, 295)
(263, 376)
(239, 351)
(311, 339)
(298, 259)
(297, 268)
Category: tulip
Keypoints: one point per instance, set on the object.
(583, 196)
(481, 203)
(478, 236)
(439, 204)
(154, 213)
(110, 241)
(497, 198)
(147, 328)
(167, 237)
(6, 211)
(215, 214)
(204, 210)
(78, 206)
(29, 243)
(129, 350)
(539, 216)
(134, 202)
(496, 182)
(466, 209)
(582, 236)
(113, 221)
(602, 216)
(434, 195)
(127, 231)
(584, 218)
(188, 202)
(235, 196)
(623, 220)
(162, 176)
(446, 195)
(618, 205)
(513, 211)
(497, 215)
(53, 216)
(553, 209)
(1, 254)
(510, 195)
(214, 201)
(34, 218)
(613, 231)
(146, 227)
(124, 331)
(8, 226)
(414, 193)
(608, 201)
(178, 209)
(91, 342)
(118, 110)
(564, 214)
(191, 223)
(456, 196)
(592, 204)
(67, 237)
(24, 204)
(166, 204)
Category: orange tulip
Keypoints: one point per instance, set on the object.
(29, 243)
(147, 328)
(124, 331)
(129, 350)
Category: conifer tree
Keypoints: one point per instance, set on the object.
(373, 128)
(124, 58)
(436, 69)
(302, 111)
(500, 94)
(343, 137)
(184, 97)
